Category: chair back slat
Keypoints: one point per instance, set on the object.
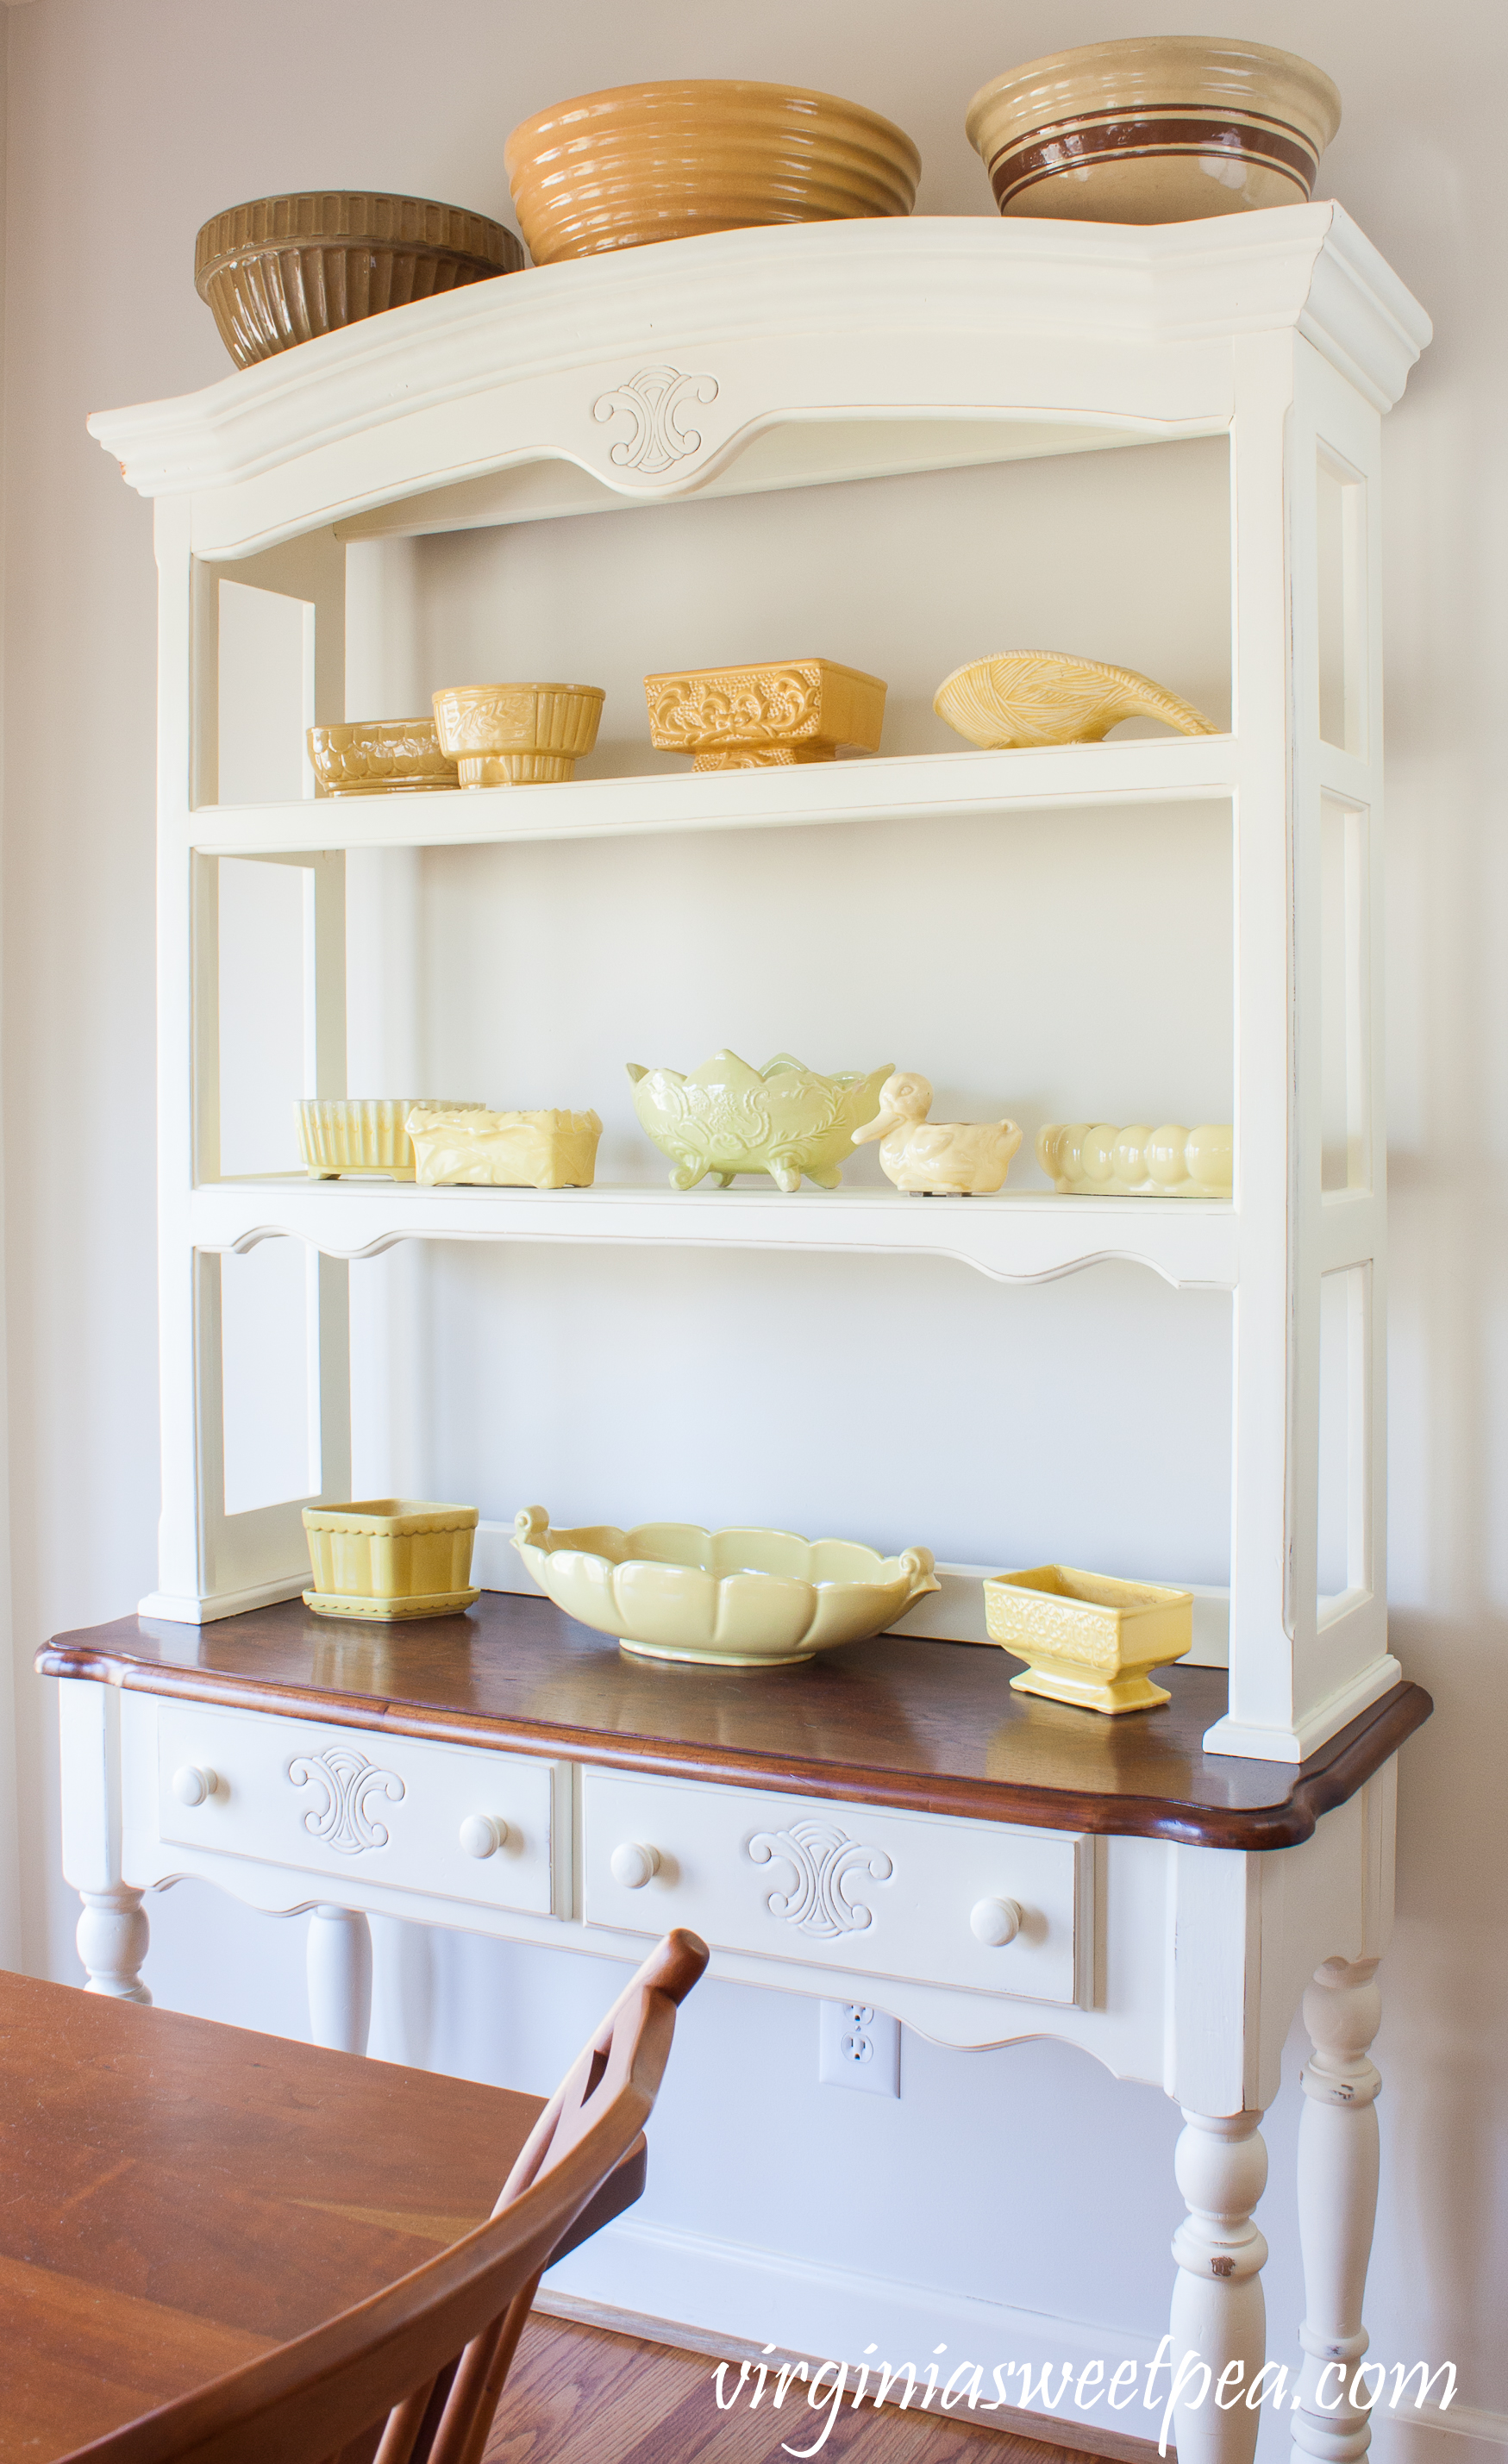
(412, 2375)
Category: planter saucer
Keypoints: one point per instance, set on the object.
(380, 1611)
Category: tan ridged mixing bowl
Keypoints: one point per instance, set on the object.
(642, 163)
(1165, 128)
(280, 270)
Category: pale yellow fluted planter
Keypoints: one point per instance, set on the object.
(353, 1134)
(390, 1558)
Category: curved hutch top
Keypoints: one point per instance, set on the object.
(832, 350)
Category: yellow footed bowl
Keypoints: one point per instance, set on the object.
(726, 1600)
(1089, 1640)
(783, 1119)
(516, 735)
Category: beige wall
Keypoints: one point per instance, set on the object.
(128, 123)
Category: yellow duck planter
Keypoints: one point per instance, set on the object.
(937, 1158)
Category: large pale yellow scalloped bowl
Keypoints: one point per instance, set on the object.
(737, 1598)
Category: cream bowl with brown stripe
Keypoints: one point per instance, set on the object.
(1165, 128)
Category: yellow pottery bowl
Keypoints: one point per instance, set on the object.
(514, 735)
(1089, 1639)
(729, 1600)
(641, 162)
(380, 756)
(727, 1117)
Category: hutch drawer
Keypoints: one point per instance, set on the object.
(881, 1892)
(447, 1820)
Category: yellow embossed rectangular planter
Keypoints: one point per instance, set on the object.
(388, 1558)
(1089, 1639)
(473, 1147)
(754, 718)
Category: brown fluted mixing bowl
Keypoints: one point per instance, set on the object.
(281, 270)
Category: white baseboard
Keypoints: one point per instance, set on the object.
(768, 2297)
(732, 2297)
(1463, 2434)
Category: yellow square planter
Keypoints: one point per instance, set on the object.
(1089, 1639)
(388, 1558)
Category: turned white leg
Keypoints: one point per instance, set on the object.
(113, 1935)
(1219, 2318)
(340, 1967)
(1337, 2205)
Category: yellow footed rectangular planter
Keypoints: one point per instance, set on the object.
(1089, 1639)
(390, 1558)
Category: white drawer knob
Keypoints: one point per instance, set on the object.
(996, 1922)
(633, 1863)
(482, 1834)
(194, 1782)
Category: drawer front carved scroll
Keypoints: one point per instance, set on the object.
(825, 1859)
(349, 1784)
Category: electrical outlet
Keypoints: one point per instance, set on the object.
(859, 2046)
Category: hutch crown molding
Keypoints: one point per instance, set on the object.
(1161, 1895)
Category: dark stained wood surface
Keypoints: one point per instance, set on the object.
(177, 2197)
(933, 1726)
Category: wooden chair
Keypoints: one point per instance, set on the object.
(431, 2352)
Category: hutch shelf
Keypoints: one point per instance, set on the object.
(1186, 1889)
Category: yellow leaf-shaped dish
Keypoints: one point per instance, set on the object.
(1023, 699)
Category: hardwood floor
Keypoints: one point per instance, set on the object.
(577, 2395)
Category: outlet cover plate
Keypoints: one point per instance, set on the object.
(858, 2047)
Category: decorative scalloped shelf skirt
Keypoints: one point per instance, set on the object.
(1027, 1237)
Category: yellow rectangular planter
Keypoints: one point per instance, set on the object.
(471, 1147)
(390, 1558)
(1089, 1639)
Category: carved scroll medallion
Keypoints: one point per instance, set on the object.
(348, 1784)
(826, 1862)
(654, 402)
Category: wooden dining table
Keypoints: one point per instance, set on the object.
(177, 2196)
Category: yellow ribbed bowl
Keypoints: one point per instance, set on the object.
(642, 163)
